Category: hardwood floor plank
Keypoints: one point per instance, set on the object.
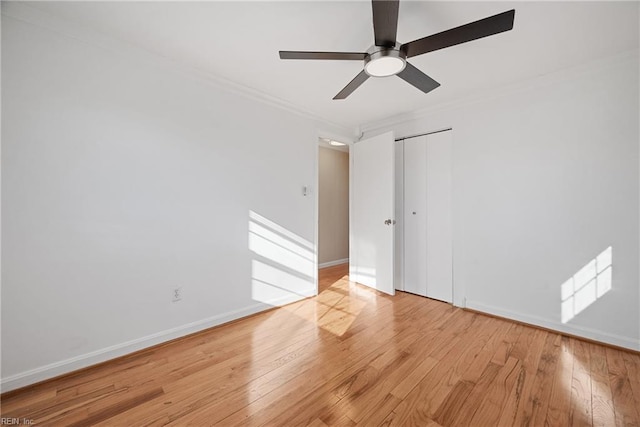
(487, 344)
(351, 394)
(558, 412)
(116, 408)
(601, 400)
(408, 383)
(626, 411)
(497, 393)
(505, 346)
(535, 340)
(31, 398)
(580, 411)
(537, 402)
(317, 423)
(454, 403)
(350, 356)
(401, 378)
(422, 402)
(632, 363)
(377, 414)
(44, 410)
(474, 399)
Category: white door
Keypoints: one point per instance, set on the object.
(415, 215)
(372, 212)
(428, 257)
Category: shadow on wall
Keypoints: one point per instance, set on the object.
(585, 287)
(282, 269)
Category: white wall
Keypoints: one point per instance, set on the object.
(546, 177)
(333, 206)
(122, 180)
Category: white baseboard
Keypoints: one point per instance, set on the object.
(332, 263)
(578, 331)
(82, 361)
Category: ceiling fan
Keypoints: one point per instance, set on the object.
(387, 57)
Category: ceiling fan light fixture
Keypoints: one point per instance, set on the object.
(384, 63)
(387, 57)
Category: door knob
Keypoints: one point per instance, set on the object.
(389, 221)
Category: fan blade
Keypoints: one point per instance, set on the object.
(385, 22)
(417, 78)
(348, 56)
(353, 85)
(465, 33)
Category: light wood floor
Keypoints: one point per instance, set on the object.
(351, 356)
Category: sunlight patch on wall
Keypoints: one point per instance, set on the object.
(271, 245)
(590, 283)
(299, 241)
(283, 266)
(268, 283)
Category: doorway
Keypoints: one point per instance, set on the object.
(333, 206)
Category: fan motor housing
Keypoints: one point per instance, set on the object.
(384, 61)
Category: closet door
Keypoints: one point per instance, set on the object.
(439, 231)
(415, 215)
(428, 258)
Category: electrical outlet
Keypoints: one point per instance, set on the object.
(177, 295)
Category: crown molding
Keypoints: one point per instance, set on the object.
(33, 16)
(559, 76)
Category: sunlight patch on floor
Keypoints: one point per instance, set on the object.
(334, 309)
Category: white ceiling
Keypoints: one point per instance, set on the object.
(239, 41)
